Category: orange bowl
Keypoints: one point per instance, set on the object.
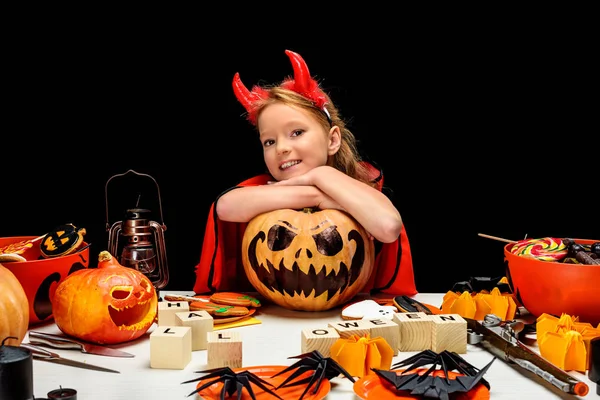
(40, 276)
(555, 288)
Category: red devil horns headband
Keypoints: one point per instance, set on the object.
(302, 84)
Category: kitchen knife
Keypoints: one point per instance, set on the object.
(62, 342)
(45, 355)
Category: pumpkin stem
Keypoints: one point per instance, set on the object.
(104, 256)
(308, 210)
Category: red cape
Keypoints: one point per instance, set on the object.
(220, 267)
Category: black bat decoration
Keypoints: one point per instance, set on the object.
(436, 387)
(314, 361)
(233, 383)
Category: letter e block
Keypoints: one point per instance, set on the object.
(320, 339)
(224, 350)
(348, 328)
(415, 331)
(167, 311)
(449, 333)
(385, 328)
(171, 347)
(201, 322)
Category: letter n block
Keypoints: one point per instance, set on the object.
(415, 331)
(449, 333)
(170, 347)
(348, 328)
(320, 339)
(167, 311)
(224, 350)
(201, 323)
(385, 328)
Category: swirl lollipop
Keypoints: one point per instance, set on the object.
(544, 249)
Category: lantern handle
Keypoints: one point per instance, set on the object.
(139, 174)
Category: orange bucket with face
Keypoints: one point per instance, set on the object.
(555, 287)
(40, 276)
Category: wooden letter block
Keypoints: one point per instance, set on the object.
(201, 322)
(170, 347)
(385, 328)
(415, 331)
(224, 350)
(348, 328)
(320, 339)
(449, 333)
(167, 311)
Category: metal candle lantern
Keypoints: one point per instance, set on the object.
(137, 242)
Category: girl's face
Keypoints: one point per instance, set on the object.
(293, 141)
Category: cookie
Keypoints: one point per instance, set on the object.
(234, 299)
(219, 310)
(368, 309)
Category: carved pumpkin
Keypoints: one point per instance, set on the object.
(14, 308)
(106, 305)
(310, 260)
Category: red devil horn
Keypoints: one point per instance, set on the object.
(302, 79)
(242, 93)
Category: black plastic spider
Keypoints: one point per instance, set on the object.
(435, 386)
(313, 361)
(232, 382)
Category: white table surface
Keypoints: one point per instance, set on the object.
(268, 343)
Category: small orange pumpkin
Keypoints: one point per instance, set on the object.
(106, 305)
(308, 260)
(14, 308)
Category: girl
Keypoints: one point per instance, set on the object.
(312, 161)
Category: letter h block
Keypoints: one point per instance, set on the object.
(224, 349)
(170, 347)
(167, 311)
(320, 339)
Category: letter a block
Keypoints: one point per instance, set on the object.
(167, 311)
(320, 339)
(171, 347)
(415, 331)
(449, 333)
(224, 350)
(201, 323)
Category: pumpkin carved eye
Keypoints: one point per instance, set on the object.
(329, 242)
(280, 238)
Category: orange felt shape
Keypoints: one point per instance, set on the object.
(106, 305)
(14, 309)
(309, 260)
(358, 355)
(565, 342)
(478, 305)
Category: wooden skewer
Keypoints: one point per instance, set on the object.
(174, 297)
(496, 238)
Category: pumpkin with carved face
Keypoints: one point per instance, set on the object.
(308, 260)
(105, 305)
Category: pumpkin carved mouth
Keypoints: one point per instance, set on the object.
(306, 281)
(128, 315)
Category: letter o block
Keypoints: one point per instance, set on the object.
(320, 339)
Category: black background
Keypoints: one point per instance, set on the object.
(477, 130)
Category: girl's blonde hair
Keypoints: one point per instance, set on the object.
(347, 159)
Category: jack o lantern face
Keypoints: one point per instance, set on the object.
(323, 255)
(128, 303)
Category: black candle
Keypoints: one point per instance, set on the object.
(16, 373)
(63, 394)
